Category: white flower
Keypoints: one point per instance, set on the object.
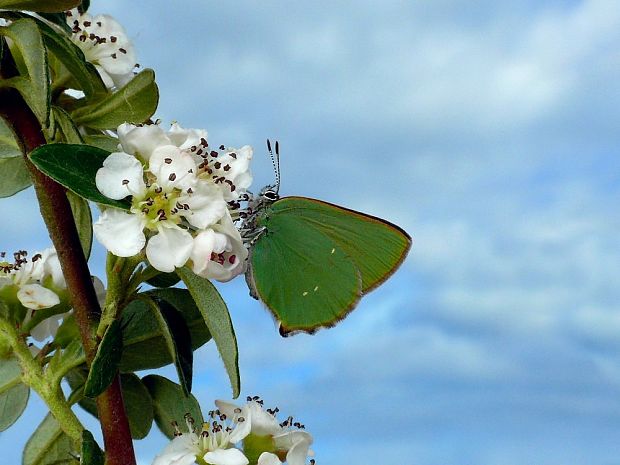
(106, 45)
(213, 445)
(33, 277)
(218, 252)
(294, 442)
(174, 212)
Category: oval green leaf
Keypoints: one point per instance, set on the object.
(216, 316)
(177, 338)
(45, 6)
(33, 82)
(49, 445)
(91, 452)
(106, 361)
(13, 393)
(133, 103)
(83, 221)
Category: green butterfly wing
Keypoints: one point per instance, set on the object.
(315, 260)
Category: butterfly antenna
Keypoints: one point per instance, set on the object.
(275, 161)
(277, 167)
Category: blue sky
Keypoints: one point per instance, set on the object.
(488, 130)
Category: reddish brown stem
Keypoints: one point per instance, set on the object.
(56, 212)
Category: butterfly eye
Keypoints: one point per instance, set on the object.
(270, 195)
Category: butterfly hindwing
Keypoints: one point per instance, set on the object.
(305, 279)
(315, 260)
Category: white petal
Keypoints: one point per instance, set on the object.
(186, 138)
(180, 451)
(227, 408)
(141, 141)
(226, 457)
(47, 328)
(120, 232)
(242, 429)
(206, 205)
(173, 168)
(263, 423)
(267, 458)
(169, 248)
(51, 267)
(105, 77)
(201, 251)
(36, 297)
(120, 176)
(297, 443)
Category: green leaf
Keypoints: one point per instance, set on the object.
(108, 143)
(83, 73)
(138, 404)
(135, 102)
(70, 132)
(105, 364)
(33, 82)
(49, 445)
(144, 346)
(13, 393)
(83, 221)
(164, 280)
(177, 337)
(59, 19)
(75, 167)
(170, 404)
(45, 6)
(14, 176)
(91, 452)
(9, 148)
(217, 318)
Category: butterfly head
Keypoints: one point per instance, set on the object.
(269, 194)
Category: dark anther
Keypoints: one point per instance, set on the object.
(125, 182)
(172, 177)
(167, 161)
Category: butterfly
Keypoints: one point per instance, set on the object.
(312, 261)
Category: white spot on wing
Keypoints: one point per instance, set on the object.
(333, 250)
(316, 288)
(305, 293)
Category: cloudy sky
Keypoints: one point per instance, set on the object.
(488, 130)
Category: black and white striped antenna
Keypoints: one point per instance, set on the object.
(275, 161)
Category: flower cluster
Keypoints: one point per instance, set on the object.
(105, 44)
(181, 193)
(35, 283)
(264, 440)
